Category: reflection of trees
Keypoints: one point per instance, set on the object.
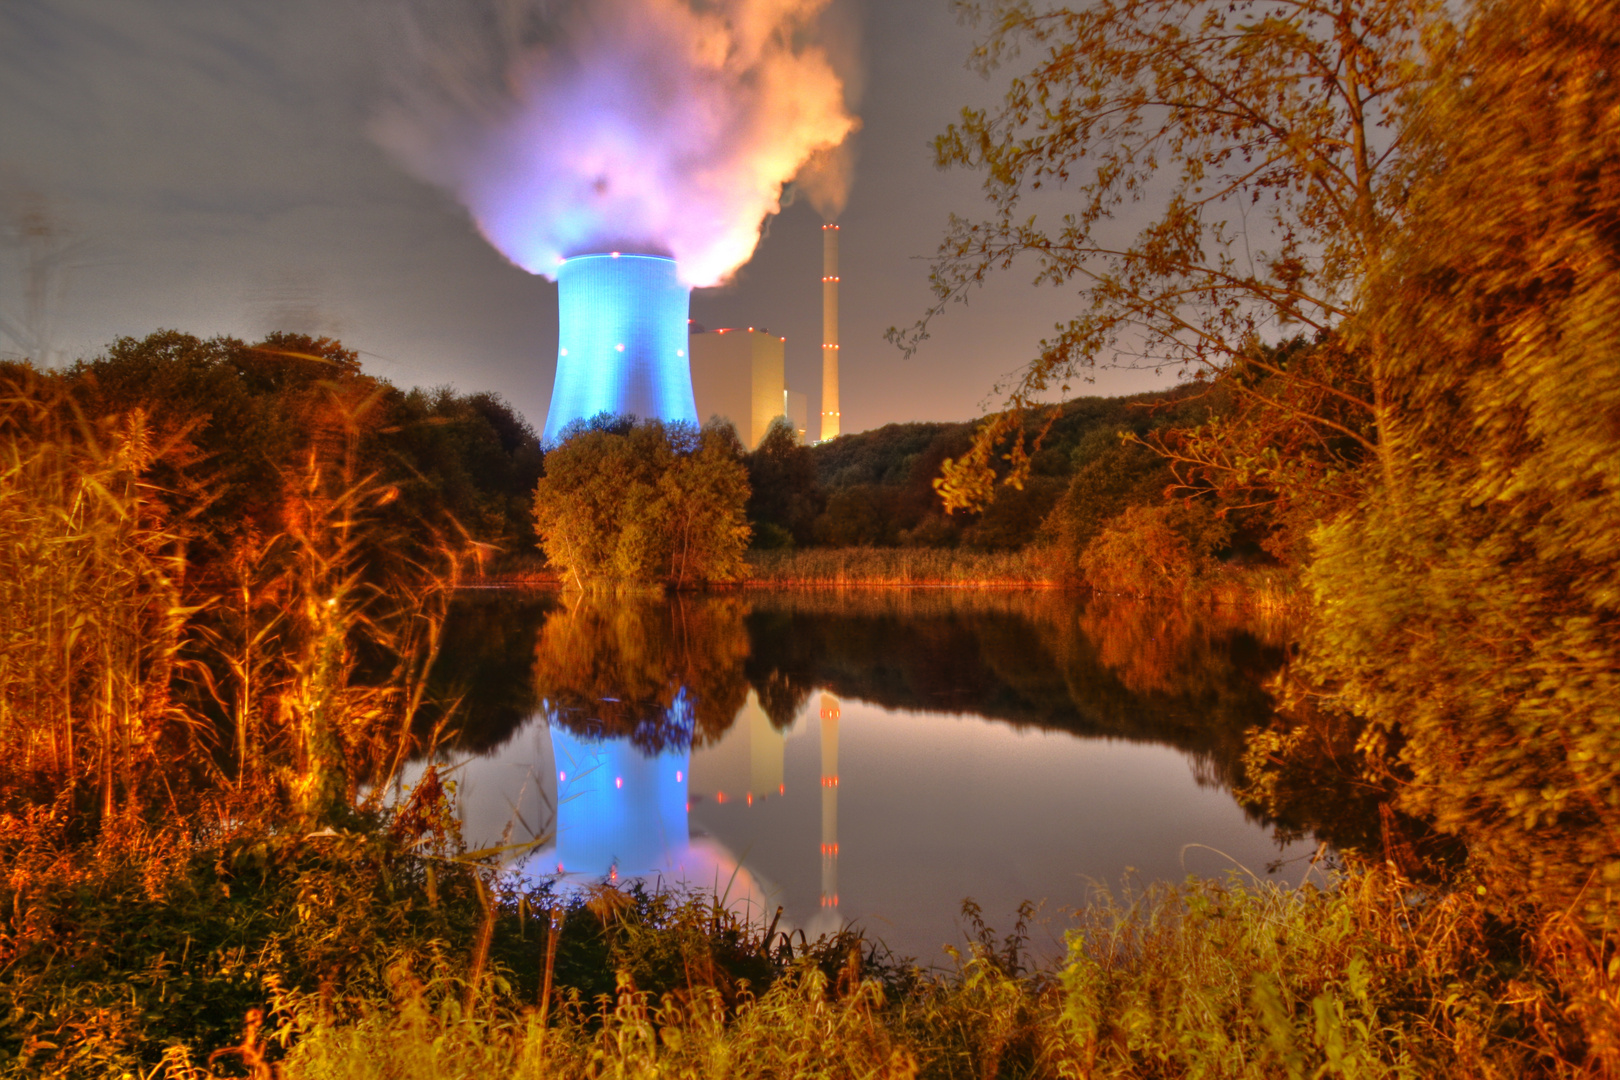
(1123, 669)
(661, 672)
(481, 686)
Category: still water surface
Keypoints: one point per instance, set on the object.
(872, 758)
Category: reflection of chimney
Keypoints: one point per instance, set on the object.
(829, 801)
(830, 416)
(621, 341)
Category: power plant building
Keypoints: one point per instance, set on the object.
(626, 347)
(740, 375)
(621, 341)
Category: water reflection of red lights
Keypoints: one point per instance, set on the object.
(829, 849)
(829, 781)
(748, 797)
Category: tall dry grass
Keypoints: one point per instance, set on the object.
(1366, 976)
(293, 671)
(92, 617)
(1366, 979)
(896, 567)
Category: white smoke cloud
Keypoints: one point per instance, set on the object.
(663, 126)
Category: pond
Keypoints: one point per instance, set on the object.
(868, 758)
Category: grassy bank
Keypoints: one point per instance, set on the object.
(378, 949)
(1261, 590)
(896, 567)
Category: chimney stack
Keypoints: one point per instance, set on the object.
(829, 332)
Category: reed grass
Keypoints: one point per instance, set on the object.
(127, 686)
(91, 613)
(896, 567)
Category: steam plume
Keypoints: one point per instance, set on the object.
(661, 126)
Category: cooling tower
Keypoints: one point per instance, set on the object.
(621, 341)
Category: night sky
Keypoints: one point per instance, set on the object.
(206, 165)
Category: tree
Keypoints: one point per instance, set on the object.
(1154, 550)
(1263, 142)
(782, 484)
(1251, 455)
(644, 503)
(1470, 615)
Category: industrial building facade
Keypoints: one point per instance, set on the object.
(740, 375)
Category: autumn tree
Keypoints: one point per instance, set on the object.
(783, 494)
(644, 503)
(1470, 614)
(1255, 150)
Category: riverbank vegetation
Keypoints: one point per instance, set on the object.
(872, 567)
(1429, 198)
(627, 503)
(377, 947)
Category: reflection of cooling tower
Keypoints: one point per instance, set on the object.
(618, 809)
(621, 341)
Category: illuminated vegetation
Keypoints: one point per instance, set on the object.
(648, 503)
(225, 572)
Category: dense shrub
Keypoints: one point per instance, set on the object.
(644, 503)
(1155, 550)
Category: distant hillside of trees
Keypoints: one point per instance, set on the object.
(1099, 457)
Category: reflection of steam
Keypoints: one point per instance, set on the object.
(663, 126)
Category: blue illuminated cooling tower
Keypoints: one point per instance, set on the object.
(621, 341)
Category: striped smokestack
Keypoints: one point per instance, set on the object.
(829, 332)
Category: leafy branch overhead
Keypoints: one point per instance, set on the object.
(1208, 177)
